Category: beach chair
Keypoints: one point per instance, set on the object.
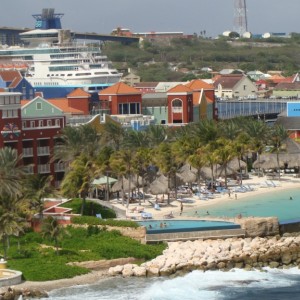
(156, 206)
(146, 215)
(169, 216)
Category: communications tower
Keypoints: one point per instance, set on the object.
(240, 17)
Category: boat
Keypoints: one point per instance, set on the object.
(58, 64)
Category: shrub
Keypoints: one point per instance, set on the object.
(108, 222)
(91, 208)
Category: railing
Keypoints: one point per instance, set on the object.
(59, 167)
(29, 169)
(230, 109)
(27, 152)
(177, 110)
(43, 150)
(42, 169)
(57, 184)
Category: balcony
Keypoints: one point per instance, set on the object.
(29, 169)
(27, 152)
(44, 169)
(59, 167)
(43, 150)
(57, 184)
(177, 110)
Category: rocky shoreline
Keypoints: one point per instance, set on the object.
(221, 254)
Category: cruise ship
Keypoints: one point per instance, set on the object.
(57, 64)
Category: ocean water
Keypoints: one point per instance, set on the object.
(274, 203)
(236, 284)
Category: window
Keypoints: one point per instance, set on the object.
(24, 124)
(49, 123)
(39, 105)
(57, 122)
(40, 123)
(32, 124)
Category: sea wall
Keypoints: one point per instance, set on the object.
(221, 254)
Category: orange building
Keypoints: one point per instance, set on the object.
(180, 105)
(121, 99)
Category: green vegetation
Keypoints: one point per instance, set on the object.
(91, 208)
(37, 259)
(155, 61)
(123, 154)
(108, 222)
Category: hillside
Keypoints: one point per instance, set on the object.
(164, 62)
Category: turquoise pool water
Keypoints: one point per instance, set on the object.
(276, 203)
(167, 226)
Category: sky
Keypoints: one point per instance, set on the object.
(188, 16)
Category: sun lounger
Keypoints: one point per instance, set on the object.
(146, 215)
(185, 200)
(169, 216)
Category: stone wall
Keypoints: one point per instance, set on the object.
(221, 254)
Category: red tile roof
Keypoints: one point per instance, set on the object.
(180, 88)
(198, 84)
(119, 88)
(78, 93)
(63, 104)
(288, 86)
(10, 75)
(228, 81)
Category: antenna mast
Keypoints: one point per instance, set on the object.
(240, 19)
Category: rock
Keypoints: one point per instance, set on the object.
(286, 258)
(274, 264)
(128, 270)
(139, 271)
(260, 226)
(117, 270)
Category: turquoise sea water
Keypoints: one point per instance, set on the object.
(274, 203)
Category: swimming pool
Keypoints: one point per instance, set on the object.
(168, 226)
(276, 203)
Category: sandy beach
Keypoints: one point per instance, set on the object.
(258, 183)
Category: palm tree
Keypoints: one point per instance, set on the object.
(156, 135)
(112, 134)
(141, 163)
(103, 165)
(125, 158)
(241, 146)
(225, 153)
(53, 230)
(258, 132)
(278, 135)
(75, 140)
(77, 181)
(166, 162)
(11, 221)
(37, 187)
(11, 172)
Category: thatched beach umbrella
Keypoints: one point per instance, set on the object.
(159, 186)
(235, 164)
(123, 183)
(188, 174)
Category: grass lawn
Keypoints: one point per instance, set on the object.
(36, 257)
